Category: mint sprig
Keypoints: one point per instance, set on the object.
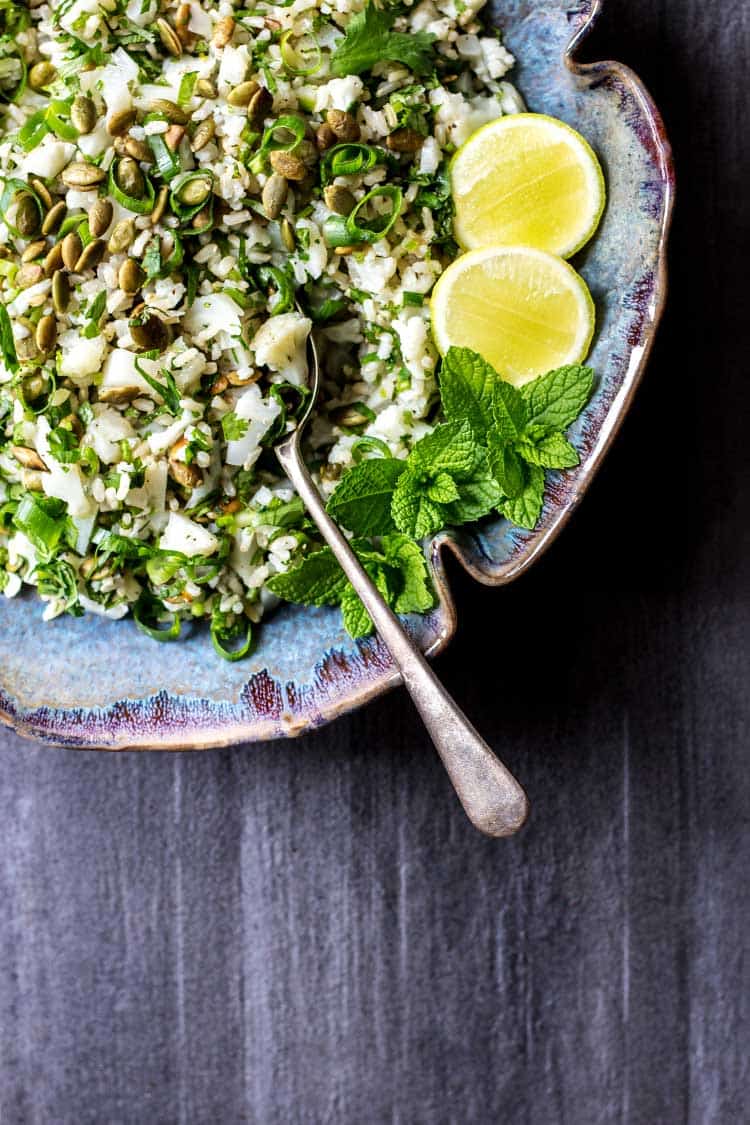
(369, 39)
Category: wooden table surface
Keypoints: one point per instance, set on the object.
(311, 932)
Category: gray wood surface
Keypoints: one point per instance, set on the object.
(311, 933)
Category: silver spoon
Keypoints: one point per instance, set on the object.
(494, 801)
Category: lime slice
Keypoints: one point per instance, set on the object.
(527, 180)
(524, 310)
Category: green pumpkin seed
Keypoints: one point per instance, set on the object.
(91, 256)
(33, 251)
(189, 476)
(274, 195)
(223, 31)
(54, 260)
(30, 274)
(130, 178)
(204, 134)
(287, 235)
(150, 333)
(139, 150)
(130, 276)
(119, 122)
(350, 417)
(83, 114)
(71, 249)
(404, 140)
(169, 38)
(202, 219)
(42, 191)
(29, 458)
(27, 351)
(160, 206)
(100, 217)
(42, 74)
(28, 219)
(122, 236)
(343, 126)
(83, 176)
(54, 218)
(339, 199)
(195, 191)
(288, 165)
(46, 334)
(259, 106)
(325, 137)
(170, 110)
(242, 95)
(60, 291)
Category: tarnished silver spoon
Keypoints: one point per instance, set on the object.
(494, 801)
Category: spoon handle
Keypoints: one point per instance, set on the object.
(492, 798)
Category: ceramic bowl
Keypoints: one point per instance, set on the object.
(88, 682)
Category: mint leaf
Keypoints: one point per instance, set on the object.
(362, 500)
(319, 580)
(509, 410)
(526, 508)
(357, 620)
(467, 389)
(451, 448)
(505, 465)
(479, 496)
(553, 451)
(368, 39)
(415, 595)
(413, 512)
(556, 399)
(234, 427)
(443, 489)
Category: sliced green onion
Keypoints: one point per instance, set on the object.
(303, 57)
(163, 567)
(187, 86)
(412, 300)
(45, 395)
(283, 299)
(12, 188)
(154, 620)
(364, 445)
(71, 222)
(285, 125)
(7, 343)
(336, 231)
(168, 163)
(349, 159)
(142, 206)
(33, 131)
(378, 226)
(57, 116)
(42, 521)
(219, 637)
(11, 66)
(186, 211)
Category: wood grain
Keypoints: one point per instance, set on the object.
(311, 932)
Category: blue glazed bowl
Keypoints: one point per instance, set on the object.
(88, 682)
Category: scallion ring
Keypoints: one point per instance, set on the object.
(289, 123)
(11, 189)
(221, 636)
(364, 445)
(283, 299)
(349, 159)
(372, 229)
(168, 163)
(156, 622)
(190, 193)
(303, 57)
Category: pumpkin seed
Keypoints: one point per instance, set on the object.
(189, 476)
(130, 178)
(288, 165)
(274, 195)
(330, 472)
(204, 134)
(223, 31)
(259, 105)
(60, 291)
(202, 219)
(169, 38)
(182, 25)
(120, 121)
(150, 333)
(160, 206)
(100, 217)
(83, 176)
(350, 416)
(205, 88)
(404, 140)
(30, 274)
(46, 334)
(71, 249)
(42, 74)
(343, 126)
(5, 253)
(54, 260)
(91, 256)
(138, 150)
(29, 458)
(54, 217)
(26, 350)
(241, 95)
(130, 276)
(28, 220)
(32, 481)
(122, 236)
(83, 114)
(170, 110)
(339, 199)
(287, 235)
(119, 394)
(173, 136)
(325, 137)
(34, 250)
(42, 191)
(195, 191)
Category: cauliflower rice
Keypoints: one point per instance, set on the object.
(180, 179)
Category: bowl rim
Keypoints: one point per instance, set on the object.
(461, 544)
